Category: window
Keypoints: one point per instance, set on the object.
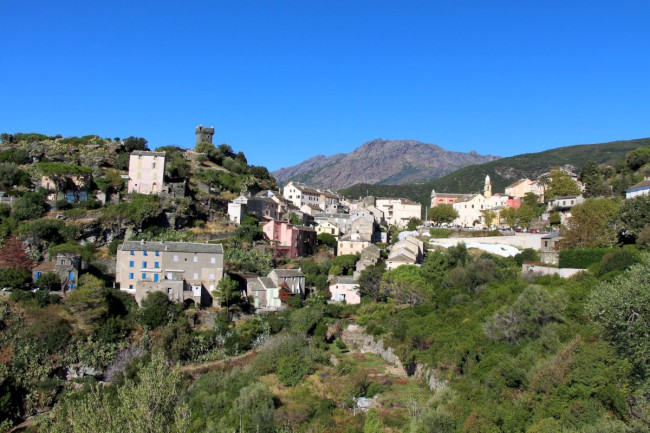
(130, 275)
(196, 276)
(144, 253)
(169, 290)
(144, 276)
(175, 258)
(153, 165)
(157, 253)
(195, 259)
(155, 278)
(213, 260)
(131, 264)
(212, 276)
(156, 265)
(144, 264)
(131, 253)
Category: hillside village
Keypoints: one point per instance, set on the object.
(122, 249)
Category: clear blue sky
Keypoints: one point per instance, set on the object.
(286, 80)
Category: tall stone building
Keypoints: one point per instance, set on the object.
(203, 134)
(146, 172)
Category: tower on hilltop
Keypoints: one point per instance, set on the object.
(204, 134)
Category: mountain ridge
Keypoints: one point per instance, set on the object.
(401, 161)
(503, 171)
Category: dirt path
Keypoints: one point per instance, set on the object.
(196, 370)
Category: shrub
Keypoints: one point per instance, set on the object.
(155, 310)
(582, 258)
(618, 260)
(534, 308)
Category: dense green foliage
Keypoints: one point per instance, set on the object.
(582, 258)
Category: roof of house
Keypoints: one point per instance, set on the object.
(178, 247)
(287, 273)
(371, 251)
(517, 183)
(147, 153)
(640, 185)
(45, 267)
(344, 279)
(467, 197)
(553, 234)
(401, 258)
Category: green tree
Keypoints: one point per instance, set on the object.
(370, 282)
(344, 265)
(88, 301)
(150, 403)
(30, 205)
(11, 175)
(638, 158)
(488, 217)
(621, 309)
(442, 214)
(155, 310)
(406, 284)
(509, 216)
(327, 239)
(62, 173)
(134, 143)
(525, 214)
(14, 278)
(633, 216)
(593, 180)
(413, 224)
(49, 281)
(592, 224)
(561, 185)
(534, 308)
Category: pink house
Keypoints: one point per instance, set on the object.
(290, 241)
(513, 202)
(146, 172)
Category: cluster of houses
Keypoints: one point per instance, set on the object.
(291, 220)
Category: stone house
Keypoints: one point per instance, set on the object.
(65, 265)
(641, 188)
(185, 271)
(408, 251)
(352, 243)
(369, 256)
(292, 279)
(550, 248)
(265, 208)
(327, 227)
(345, 289)
(398, 211)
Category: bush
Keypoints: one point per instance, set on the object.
(582, 258)
(527, 255)
(618, 260)
(155, 310)
(439, 233)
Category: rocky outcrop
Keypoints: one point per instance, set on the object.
(355, 336)
(380, 161)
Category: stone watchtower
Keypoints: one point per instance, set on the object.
(204, 134)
